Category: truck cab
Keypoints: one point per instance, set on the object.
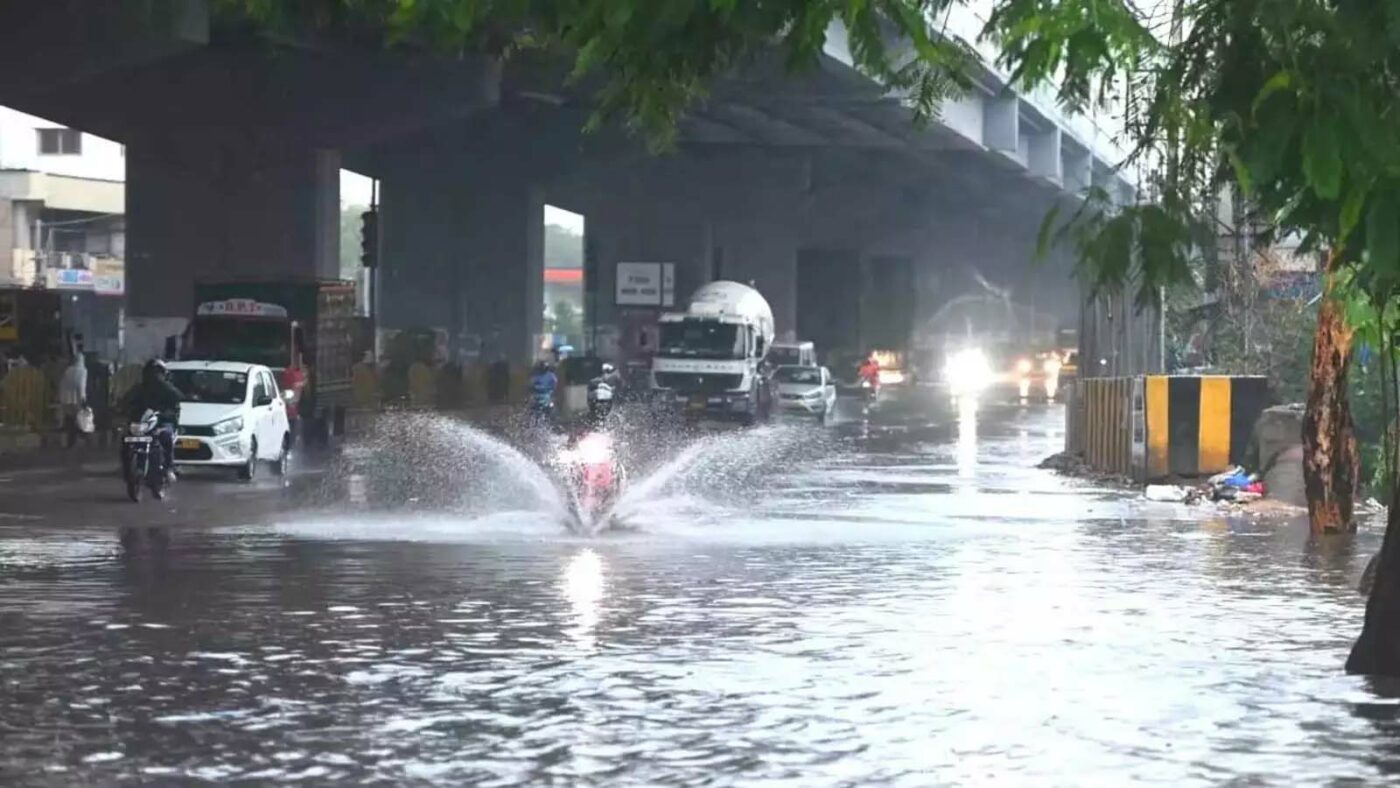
(710, 358)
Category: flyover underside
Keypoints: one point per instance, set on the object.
(233, 150)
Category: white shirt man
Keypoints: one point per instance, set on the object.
(72, 395)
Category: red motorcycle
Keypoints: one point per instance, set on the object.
(594, 478)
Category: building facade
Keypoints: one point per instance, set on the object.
(62, 238)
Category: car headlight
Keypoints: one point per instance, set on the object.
(1052, 366)
(1024, 366)
(229, 426)
(813, 394)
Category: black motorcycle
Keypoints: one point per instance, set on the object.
(142, 464)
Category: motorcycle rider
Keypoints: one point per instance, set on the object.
(599, 404)
(869, 374)
(156, 393)
(543, 382)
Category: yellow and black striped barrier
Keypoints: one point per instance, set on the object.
(1199, 425)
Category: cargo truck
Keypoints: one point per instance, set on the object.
(711, 357)
(303, 329)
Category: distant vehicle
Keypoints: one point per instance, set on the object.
(1069, 366)
(1036, 376)
(303, 330)
(893, 370)
(234, 415)
(805, 390)
(710, 358)
(800, 354)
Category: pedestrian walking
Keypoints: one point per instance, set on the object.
(73, 397)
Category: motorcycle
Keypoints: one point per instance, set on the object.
(142, 463)
(600, 400)
(594, 477)
(541, 409)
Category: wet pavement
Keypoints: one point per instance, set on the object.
(906, 601)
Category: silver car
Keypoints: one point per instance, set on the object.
(804, 390)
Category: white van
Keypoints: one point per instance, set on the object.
(793, 354)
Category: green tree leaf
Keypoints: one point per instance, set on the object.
(1322, 158)
(1383, 234)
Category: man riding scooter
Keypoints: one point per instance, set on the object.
(543, 383)
(156, 393)
(869, 376)
(603, 393)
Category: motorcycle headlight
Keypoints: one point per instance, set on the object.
(592, 449)
(229, 426)
(136, 428)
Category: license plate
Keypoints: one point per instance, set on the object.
(697, 403)
(132, 439)
(187, 443)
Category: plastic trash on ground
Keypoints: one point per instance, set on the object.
(1168, 493)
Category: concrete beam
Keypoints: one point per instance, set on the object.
(1045, 155)
(1001, 130)
(241, 217)
(1078, 168)
(46, 44)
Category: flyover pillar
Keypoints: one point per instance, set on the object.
(763, 251)
(626, 232)
(464, 253)
(217, 214)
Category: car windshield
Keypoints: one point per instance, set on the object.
(203, 385)
(702, 339)
(810, 375)
(265, 342)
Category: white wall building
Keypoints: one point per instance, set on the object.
(30, 143)
(62, 230)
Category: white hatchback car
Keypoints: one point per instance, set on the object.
(805, 390)
(232, 415)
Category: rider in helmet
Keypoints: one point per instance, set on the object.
(603, 393)
(543, 382)
(156, 393)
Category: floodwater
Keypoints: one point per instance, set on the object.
(908, 603)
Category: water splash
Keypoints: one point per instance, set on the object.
(410, 465)
(716, 472)
(427, 462)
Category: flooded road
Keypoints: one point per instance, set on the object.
(911, 603)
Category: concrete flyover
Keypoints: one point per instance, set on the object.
(234, 143)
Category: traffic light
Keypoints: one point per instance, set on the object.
(369, 238)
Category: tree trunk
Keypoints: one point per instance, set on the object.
(1377, 651)
(1331, 461)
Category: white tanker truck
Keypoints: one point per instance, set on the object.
(710, 358)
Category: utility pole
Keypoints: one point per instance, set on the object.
(371, 248)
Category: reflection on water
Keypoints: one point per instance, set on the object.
(583, 588)
(967, 437)
(849, 621)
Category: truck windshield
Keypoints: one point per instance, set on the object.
(702, 339)
(266, 342)
(202, 385)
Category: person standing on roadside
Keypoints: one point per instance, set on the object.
(72, 396)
